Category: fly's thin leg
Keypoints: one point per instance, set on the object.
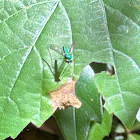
(64, 70)
(48, 66)
(67, 66)
(75, 57)
(62, 66)
(65, 75)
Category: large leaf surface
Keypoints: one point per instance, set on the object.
(27, 29)
(75, 123)
(122, 91)
(130, 8)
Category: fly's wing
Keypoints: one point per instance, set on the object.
(71, 48)
(56, 49)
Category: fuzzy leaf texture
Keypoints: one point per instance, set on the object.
(122, 91)
(28, 28)
(26, 32)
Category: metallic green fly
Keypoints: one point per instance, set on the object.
(67, 58)
(66, 54)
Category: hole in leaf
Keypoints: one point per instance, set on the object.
(99, 67)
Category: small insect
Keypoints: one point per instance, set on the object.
(67, 58)
(67, 54)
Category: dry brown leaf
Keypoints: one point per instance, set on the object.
(64, 96)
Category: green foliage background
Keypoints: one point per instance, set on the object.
(103, 31)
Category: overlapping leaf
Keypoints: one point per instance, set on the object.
(122, 91)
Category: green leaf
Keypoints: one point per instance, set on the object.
(136, 127)
(29, 27)
(99, 131)
(130, 8)
(133, 137)
(75, 123)
(27, 30)
(122, 91)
